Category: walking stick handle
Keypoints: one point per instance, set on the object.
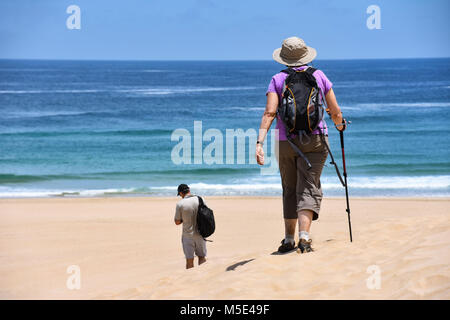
(341, 133)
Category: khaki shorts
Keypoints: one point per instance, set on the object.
(193, 244)
(301, 187)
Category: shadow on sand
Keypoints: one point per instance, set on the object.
(276, 253)
(241, 263)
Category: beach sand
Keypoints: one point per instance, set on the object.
(129, 248)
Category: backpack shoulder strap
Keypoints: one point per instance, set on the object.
(289, 71)
(309, 75)
(200, 201)
(310, 70)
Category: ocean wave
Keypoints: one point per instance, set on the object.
(226, 187)
(22, 178)
(432, 84)
(400, 169)
(247, 108)
(13, 178)
(394, 182)
(145, 70)
(168, 91)
(44, 114)
(185, 171)
(153, 70)
(349, 108)
(142, 91)
(362, 106)
(405, 104)
(131, 133)
(385, 183)
(366, 186)
(48, 91)
(42, 193)
(27, 69)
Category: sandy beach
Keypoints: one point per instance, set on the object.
(129, 248)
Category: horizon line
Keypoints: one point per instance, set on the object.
(211, 60)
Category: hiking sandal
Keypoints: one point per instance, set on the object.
(305, 246)
(286, 247)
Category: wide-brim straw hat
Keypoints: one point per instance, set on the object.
(294, 52)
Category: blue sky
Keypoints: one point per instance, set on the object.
(221, 30)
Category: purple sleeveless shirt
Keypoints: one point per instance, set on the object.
(276, 85)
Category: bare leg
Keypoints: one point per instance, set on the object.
(304, 224)
(189, 263)
(201, 260)
(304, 220)
(288, 243)
(289, 227)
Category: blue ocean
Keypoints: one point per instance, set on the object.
(105, 128)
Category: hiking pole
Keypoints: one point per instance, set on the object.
(341, 133)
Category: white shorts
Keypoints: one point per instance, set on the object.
(195, 244)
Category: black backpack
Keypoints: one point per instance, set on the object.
(300, 109)
(205, 219)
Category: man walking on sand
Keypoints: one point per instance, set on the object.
(186, 214)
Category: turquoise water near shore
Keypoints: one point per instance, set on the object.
(103, 128)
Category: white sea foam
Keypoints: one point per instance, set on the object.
(7, 192)
(366, 186)
(377, 183)
(247, 108)
(395, 182)
(154, 70)
(236, 187)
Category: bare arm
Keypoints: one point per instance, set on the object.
(178, 218)
(266, 121)
(333, 109)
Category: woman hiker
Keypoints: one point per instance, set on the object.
(302, 192)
